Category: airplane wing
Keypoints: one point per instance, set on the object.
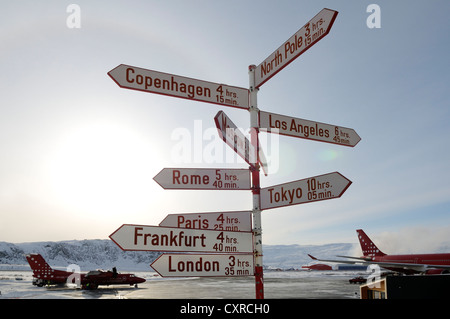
(360, 260)
(336, 261)
(357, 258)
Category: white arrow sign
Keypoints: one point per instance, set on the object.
(204, 178)
(154, 238)
(312, 189)
(310, 130)
(204, 265)
(228, 221)
(302, 40)
(233, 136)
(131, 77)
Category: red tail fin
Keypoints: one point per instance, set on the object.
(368, 247)
(40, 267)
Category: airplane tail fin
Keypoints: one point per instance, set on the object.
(39, 266)
(369, 249)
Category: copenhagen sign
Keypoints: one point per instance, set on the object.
(131, 77)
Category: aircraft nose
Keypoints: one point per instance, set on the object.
(139, 280)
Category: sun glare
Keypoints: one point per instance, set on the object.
(102, 168)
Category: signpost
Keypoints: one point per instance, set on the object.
(204, 178)
(317, 28)
(154, 238)
(228, 221)
(204, 265)
(236, 250)
(131, 77)
(296, 127)
(307, 190)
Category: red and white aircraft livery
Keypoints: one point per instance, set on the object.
(43, 274)
(429, 264)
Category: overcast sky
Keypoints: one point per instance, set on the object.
(79, 153)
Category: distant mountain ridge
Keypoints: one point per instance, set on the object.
(104, 254)
(88, 254)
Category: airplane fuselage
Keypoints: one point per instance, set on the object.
(429, 259)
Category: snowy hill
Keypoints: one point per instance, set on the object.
(88, 254)
(295, 256)
(104, 254)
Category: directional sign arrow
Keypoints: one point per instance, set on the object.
(296, 127)
(154, 238)
(131, 77)
(233, 136)
(204, 265)
(312, 189)
(317, 28)
(229, 221)
(204, 178)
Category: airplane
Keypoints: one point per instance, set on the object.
(429, 264)
(43, 274)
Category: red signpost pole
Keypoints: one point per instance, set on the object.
(257, 228)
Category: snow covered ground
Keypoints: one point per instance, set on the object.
(16, 275)
(16, 284)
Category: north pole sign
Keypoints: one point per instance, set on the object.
(312, 189)
(317, 28)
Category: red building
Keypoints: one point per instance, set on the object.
(318, 267)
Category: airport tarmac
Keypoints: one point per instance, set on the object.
(277, 285)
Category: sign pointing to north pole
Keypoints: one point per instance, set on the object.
(131, 77)
(155, 238)
(296, 127)
(317, 28)
(204, 178)
(204, 265)
(312, 189)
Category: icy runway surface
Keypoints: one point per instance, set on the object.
(277, 285)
